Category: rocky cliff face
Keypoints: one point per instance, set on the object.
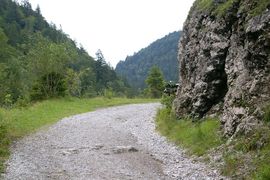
(224, 59)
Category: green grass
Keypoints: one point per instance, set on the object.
(207, 5)
(18, 122)
(262, 164)
(259, 8)
(4, 143)
(197, 137)
(246, 157)
(204, 4)
(223, 8)
(232, 163)
(266, 116)
(250, 152)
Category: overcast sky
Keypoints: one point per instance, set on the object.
(117, 27)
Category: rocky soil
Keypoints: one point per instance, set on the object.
(112, 143)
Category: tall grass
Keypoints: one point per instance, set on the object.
(266, 116)
(18, 122)
(4, 142)
(197, 137)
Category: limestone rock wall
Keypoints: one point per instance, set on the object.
(225, 66)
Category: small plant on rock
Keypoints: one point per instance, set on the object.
(266, 117)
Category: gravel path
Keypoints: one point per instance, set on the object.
(112, 143)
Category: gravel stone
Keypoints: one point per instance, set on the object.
(112, 143)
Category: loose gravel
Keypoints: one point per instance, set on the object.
(112, 143)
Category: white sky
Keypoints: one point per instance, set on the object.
(117, 27)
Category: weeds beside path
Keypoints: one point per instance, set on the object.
(245, 157)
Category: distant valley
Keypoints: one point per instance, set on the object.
(162, 53)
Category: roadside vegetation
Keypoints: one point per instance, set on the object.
(247, 156)
(252, 8)
(17, 122)
(198, 137)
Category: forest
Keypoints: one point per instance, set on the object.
(39, 61)
(162, 53)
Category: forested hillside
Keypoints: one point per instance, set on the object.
(39, 61)
(162, 53)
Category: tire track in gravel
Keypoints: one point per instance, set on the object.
(112, 143)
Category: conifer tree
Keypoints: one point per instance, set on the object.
(155, 82)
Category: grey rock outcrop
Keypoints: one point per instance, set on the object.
(225, 59)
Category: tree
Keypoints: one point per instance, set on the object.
(103, 72)
(155, 82)
(11, 71)
(48, 63)
(38, 60)
(162, 53)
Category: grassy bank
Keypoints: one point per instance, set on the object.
(18, 122)
(245, 157)
(198, 137)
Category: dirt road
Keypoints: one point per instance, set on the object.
(112, 143)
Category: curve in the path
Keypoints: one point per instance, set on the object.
(112, 143)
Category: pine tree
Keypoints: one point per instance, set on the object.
(155, 82)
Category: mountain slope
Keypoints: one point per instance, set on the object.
(39, 61)
(162, 53)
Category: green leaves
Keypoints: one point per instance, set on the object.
(46, 57)
(39, 61)
(155, 82)
(48, 67)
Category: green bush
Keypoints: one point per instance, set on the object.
(23, 101)
(48, 86)
(108, 93)
(167, 101)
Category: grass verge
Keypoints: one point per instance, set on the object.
(245, 157)
(248, 156)
(198, 137)
(18, 122)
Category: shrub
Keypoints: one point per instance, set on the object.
(167, 101)
(49, 85)
(108, 93)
